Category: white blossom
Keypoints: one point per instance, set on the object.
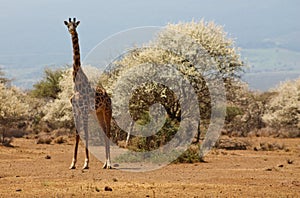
(284, 109)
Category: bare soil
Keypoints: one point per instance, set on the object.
(40, 170)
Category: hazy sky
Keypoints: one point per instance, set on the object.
(33, 30)
(34, 25)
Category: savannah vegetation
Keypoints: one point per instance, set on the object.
(45, 112)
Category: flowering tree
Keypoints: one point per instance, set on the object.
(13, 108)
(59, 111)
(198, 50)
(283, 110)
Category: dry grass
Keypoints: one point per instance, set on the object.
(267, 146)
(277, 133)
(233, 143)
(44, 140)
(60, 140)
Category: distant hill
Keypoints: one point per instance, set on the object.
(271, 59)
(289, 41)
(267, 67)
(270, 66)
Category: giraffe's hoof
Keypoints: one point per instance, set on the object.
(72, 167)
(85, 167)
(106, 166)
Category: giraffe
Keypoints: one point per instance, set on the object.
(87, 100)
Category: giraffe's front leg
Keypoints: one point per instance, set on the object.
(77, 126)
(73, 164)
(86, 162)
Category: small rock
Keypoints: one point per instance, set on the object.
(296, 183)
(201, 159)
(18, 190)
(97, 189)
(280, 166)
(48, 157)
(107, 188)
(272, 169)
(269, 169)
(289, 161)
(256, 148)
(115, 179)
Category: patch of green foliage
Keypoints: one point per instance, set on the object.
(232, 112)
(48, 87)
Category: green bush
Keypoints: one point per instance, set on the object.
(48, 87)
(232, 112)
(191, 155)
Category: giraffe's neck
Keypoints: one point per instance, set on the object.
(76, 55)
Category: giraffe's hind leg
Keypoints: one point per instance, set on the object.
(106, 129)
(107, 164)
(86, 134)
(107, 118)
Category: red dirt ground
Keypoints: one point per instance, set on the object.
(25, 172)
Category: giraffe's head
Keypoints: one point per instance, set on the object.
(72, 25)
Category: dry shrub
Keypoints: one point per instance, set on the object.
(44, 138)
(60, 140)
(6, 142)
(122, 144)
(276, 133)
(244, 110)
(289, 133)
(266, 146)
(17, 133)
(61, 132)
(232, 144)
(264, 132)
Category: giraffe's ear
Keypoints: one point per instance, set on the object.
(77, 23)
(66, 23)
